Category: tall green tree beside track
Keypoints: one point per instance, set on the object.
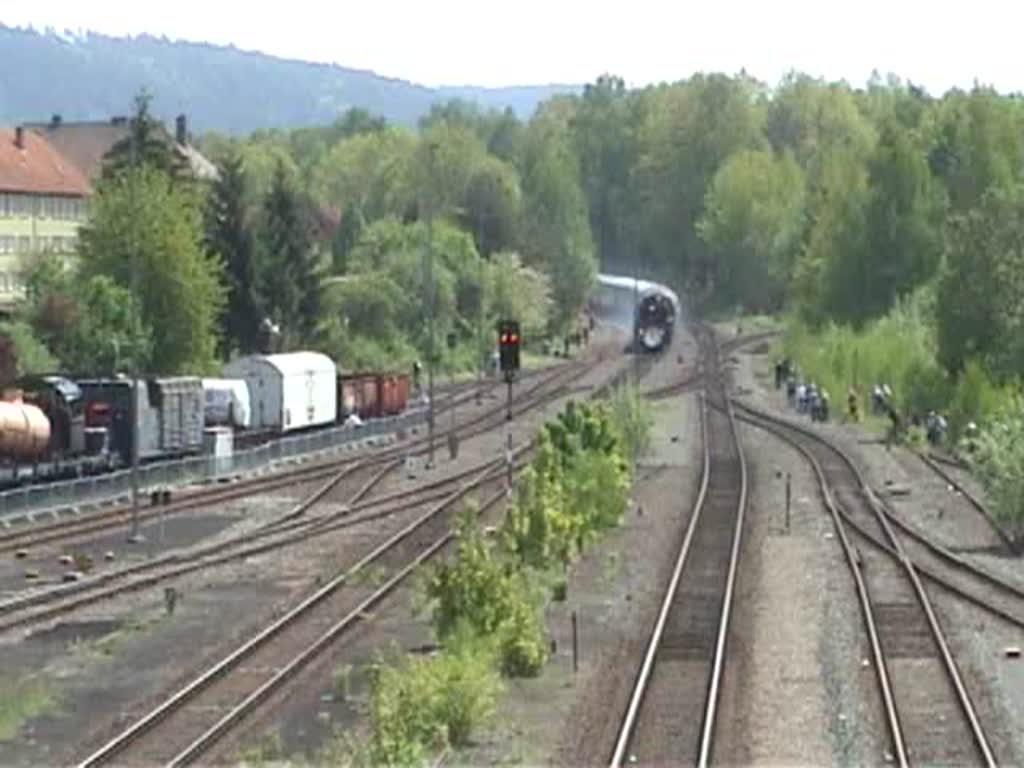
(145, 233)
(292, 266)
(229, 235)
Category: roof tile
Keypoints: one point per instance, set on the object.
(37, 167)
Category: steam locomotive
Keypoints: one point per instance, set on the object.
(650, 309)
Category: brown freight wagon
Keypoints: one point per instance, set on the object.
(372, 395)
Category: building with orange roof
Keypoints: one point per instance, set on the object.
(43, 201)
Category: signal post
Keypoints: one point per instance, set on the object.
(509, 342)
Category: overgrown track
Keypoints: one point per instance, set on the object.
(671, 715)
(934, 463)
(66, 530)
(189, 723)
(929, 711)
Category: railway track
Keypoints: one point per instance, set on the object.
(695, 379)
(292, 527)
(195, 718)
(935, 464)
(191, 721)
(64, 531)
(671, 714)
(929, 710)
(939, 565)
(41, 605)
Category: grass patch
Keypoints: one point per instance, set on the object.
(20, 701)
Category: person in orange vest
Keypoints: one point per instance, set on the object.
(852, 405)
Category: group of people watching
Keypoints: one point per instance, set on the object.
(812, 399)
(804, 397)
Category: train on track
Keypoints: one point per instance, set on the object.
(55, 427)
(650, 309)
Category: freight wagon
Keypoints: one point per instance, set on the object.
(288, 392)
(372, 395)
(170, 415)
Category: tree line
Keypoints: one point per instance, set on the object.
(342, 238)
(813, 197)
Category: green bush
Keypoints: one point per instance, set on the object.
(999, 459)
(478, 591)
(632, 420)
(418, 705)
(474, 587)
(574, 488)
(898, 349)
(976, 397)
(521, 641)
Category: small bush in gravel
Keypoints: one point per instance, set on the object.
(574, 488)
(418, 705)
(522, 647)
(22, 700)
(474, 587)
(632, 419)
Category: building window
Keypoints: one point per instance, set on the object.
(24, 244)
(5, 284)
(4, 204)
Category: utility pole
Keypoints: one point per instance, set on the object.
(430, 339)
(135, 537)
(636, 356)
(481, 353)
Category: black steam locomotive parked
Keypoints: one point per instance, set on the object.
(62, 429)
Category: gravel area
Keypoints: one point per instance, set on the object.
(920, 497)
(796, 691)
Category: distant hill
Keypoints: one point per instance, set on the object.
(93, 77)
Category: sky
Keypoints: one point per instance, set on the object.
(516, 42)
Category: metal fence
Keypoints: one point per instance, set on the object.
(38, 499)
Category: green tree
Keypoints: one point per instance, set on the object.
(903, 224)
(604, 138)
(686, 131)
(516, 290)
(369, 174)
(556, 231)
(978, 145)
(835, 237)
(229, 235)
(22, 352)
(753, 224)
(292, 269)
(145, 233)
(979, 309)
(108, 335)
(493, 205)
(147, 143)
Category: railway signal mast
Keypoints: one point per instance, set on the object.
(509, 341)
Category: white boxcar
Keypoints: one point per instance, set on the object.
(227, 403)
(290, 391)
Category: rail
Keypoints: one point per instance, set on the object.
(710, 567)
(785, 430)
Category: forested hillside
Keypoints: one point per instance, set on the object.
(95, 76)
